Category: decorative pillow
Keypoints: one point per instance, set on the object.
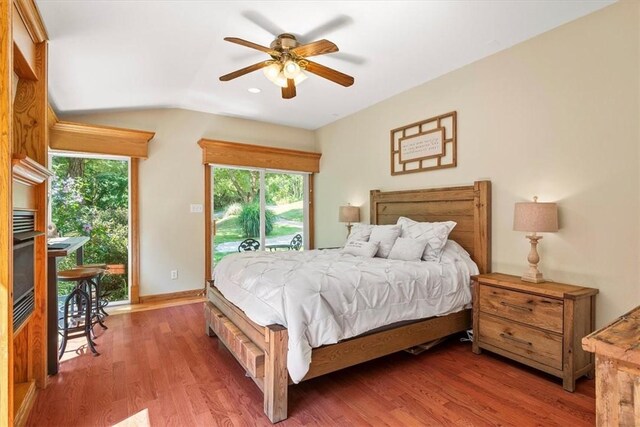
(435, 233)
(358, 248)
(360, 233)
(408, 249)
(454, 247)
(385, 236)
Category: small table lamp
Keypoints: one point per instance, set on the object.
(535, 217)
(349, 214)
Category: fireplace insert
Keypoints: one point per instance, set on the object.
(23, 265)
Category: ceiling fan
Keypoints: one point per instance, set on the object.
(289, 61)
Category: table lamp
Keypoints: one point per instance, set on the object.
(349, 214)
(534, 217)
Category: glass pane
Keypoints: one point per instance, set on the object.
(90, 197)
(285, 211)
(236, 211)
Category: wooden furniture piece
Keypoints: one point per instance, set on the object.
(75, 244)
(262, 350)
(617, 370)
(538, 324)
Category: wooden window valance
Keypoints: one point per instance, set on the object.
(258, 156)
(86, 138)
(99, 139)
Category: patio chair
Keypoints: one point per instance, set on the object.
(249, 245)
(296, 243)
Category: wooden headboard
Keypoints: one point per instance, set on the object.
(469, 206)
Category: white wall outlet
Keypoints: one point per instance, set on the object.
(196, 208)
(174, 274)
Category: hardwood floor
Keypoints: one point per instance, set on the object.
(162, 361)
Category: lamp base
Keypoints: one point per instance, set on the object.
(532, 274)
(536, 277)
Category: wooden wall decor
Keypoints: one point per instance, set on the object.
(426, 145)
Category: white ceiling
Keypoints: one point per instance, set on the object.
(116, 55)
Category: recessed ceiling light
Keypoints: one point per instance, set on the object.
(254, 90)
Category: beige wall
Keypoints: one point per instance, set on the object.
(172, 178)
(556, 116)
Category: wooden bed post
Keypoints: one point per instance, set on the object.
(276, 377)
(208, 330)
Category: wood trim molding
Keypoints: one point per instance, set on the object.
(30, 15)
(312, 217)
(237, 154)
(172, 295)
(29, 172)
(6, 218)
(85, 138)
(208, 236)
(52, 117)
(134, 178)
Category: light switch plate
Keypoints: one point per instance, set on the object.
(196, 208)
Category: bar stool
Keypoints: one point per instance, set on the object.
(76, 320)
(81, 306)
(102, 301)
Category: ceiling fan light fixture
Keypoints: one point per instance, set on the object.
(291, 69)
(300, 78)
(271, 72)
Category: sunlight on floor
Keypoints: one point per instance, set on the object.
(141, 419)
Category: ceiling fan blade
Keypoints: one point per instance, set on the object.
(263, 22)
(252, 45)
(319, 47)
(329, 73)
(245, 70)
(289, 91)
(328, 27)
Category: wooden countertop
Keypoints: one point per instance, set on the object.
(73, 242)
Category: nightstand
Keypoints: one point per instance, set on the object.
(538, 324)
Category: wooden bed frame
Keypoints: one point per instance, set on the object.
(262, 350)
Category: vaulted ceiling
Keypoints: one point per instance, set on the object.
(118, 55)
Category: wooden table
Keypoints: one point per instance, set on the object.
(617, 349)
(75, 245)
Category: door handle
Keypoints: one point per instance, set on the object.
(214, 227)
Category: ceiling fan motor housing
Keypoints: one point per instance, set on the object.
(284, 42)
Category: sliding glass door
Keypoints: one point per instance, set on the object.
(257, 209)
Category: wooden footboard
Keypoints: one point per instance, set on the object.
(262, 351)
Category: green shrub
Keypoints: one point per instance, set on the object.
(250, 220)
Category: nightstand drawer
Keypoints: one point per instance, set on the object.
(543, 347)
(544, 313)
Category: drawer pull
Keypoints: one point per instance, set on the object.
(517, 307)
(514, 339)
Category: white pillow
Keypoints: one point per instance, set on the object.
(435, 233)
(454, 247)
(408, 249)
(360, 232)
(358, 248)
(385, 236)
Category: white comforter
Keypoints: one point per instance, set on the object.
(324, 296)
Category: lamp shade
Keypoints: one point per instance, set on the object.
(535, 217)
(349, 214)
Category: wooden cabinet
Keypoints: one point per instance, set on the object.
(617, 371)
(538, 324)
